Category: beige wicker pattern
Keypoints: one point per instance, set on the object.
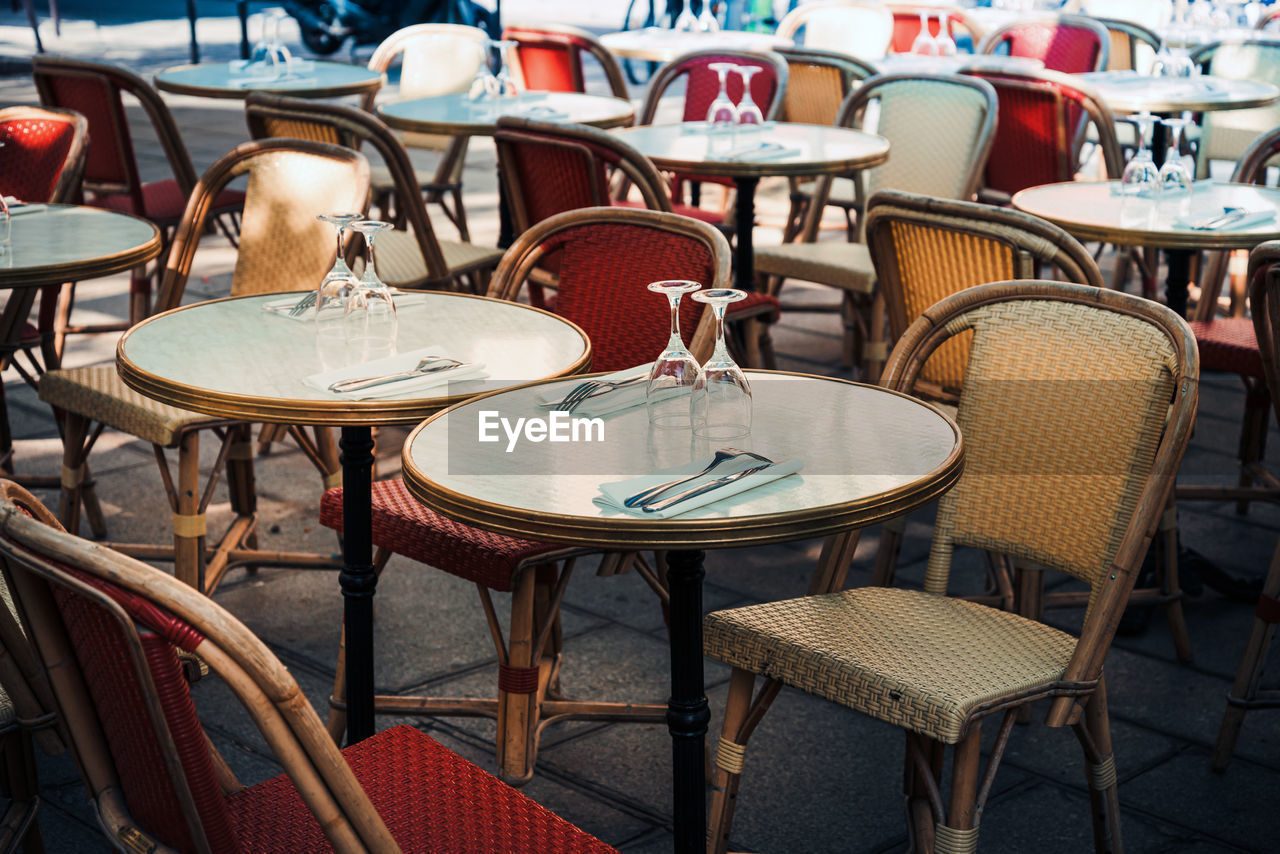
(1227, 134)
(913, 659)
(814, 94)
(99, 393)
(283, 247)
(841, 265)
(400, 262)
(1054, 419)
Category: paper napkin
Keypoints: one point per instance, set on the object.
(394, 364)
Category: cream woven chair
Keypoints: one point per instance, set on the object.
(1226, 136)
(946, 161)
(412, 258)
(282, 248)
(864, 30)
(1071, 449)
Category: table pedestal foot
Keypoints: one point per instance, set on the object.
(744, 225)
(1175, 286)
(357, 578)
(687, 712)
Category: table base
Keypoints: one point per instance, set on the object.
(744, 224)
(687, 711)
(357, 578)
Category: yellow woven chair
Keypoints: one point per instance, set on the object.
(1077, 407)
(940, 130)
(412, 258)
(282, 248)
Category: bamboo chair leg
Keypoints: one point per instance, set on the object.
(1029, 602)
(518, 685)
(337, 723)
(1253, 433)
(241, 483)
(959, 834)
(849, 347)
(923, 801)
(876, 350)
(727, 773)
(75, 431)
(887, 553)
(92, 507)
(1094, 733)
(1249, 673)
(1170, 587)
(19, 825)
(188, 521)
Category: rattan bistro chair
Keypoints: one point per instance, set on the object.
(947, 162)
(1076, 410)
(1246, 693)
(1070, 44)
(861, 29)
(601, 290)
(1228, 135)
(282, 248)
(111, 632)
(549, 58)
(415, 258)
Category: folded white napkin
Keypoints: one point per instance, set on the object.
(614, 400)
(1246, 219)
(539, 112)
(281, 307)
(614, 494)
(391, 365)
(18, 207)
(758, 151)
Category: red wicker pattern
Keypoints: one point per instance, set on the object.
(118, 697)
(555, 176)
(1228, 344)
(702, 85)
(548, 66)
(402, 525)
(35, 153)
(164, 201)
(1035, 129)
(710, 217)
(431, 799)
(1061, 47)
(110, 147)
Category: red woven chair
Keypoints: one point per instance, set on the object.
(549, 57)
(550, 168)
(1040, 130)
(1072, 44)
(42, 161)
(701, 87)
(112, 635)
(111, 177)
(602, 290)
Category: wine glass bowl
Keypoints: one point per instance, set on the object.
(675, 372)
(369, 323)
(507, 87)
(722, 113)
(721, 402)
(335, 287)
(943, 42)
(686, 21)
(748, 111)
(924, 45)
(1178, 171)
(1141, 177)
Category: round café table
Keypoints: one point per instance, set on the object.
(53, 244)
(1131, 92)
(657, 44)
(692, 148)
(1094, 210)
(233, 359)
(869, 454)
(912, 63)
(312, 79)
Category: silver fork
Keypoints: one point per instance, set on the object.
(722, 455)
(591, 388)
(429, 365)
(301, 306)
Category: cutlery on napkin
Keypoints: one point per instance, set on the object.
(757, 151)
(606, 399)
(1227, 218)
(283, 307)
(706, 484)
(393, 368)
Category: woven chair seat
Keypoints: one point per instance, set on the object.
(431, 799)
(842, 193)
(400, 261)
(912, 659)
(164, 201)
(98, 393)
(711, 217)
(839, 264)
(401, 524)
(1228, 344)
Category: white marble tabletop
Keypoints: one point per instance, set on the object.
(1131, 92)
(657, 44)
(233, 358)
(307, 79)
(458, 114)
(868, 454)
(52, 244)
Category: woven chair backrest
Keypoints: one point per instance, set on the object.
(702, 85)
(283, 247)
(435, 59)
(550, 58)
(1065, 401)
(550, 168)
(1040, 129)
(939, 129)
(1226, 135)
(94, 90)
(43, 154)
(1133, 46)
(1264, 299)
(864, 30)
(906, 24)
(925, 249)
(818, 81)
(607, 256)
(1070, 44)
(108, 629)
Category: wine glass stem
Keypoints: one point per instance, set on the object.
(676, 340)
(370, 269)
(722, 350)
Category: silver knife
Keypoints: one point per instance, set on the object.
(700, 489)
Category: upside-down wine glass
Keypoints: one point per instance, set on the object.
(686, 21)
(722, 113)
(1141, 178)
(748, 111)
(924, 44)
(1178, 171)
(485, 86)
(945, 45)
(335, 287)
(669, 393)
(721, 401)
(369, 324)
(507, 87)
(707, 22)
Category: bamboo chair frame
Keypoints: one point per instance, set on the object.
(573, 40)
(797, 19)
(274, 116)
(993, 40)
(1246, 693)
(36, 556)
(447, 179)
(529, 655)
(196, 561)
(19, 301)
(45, 70)
(1030, 244)
(1078, 698)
